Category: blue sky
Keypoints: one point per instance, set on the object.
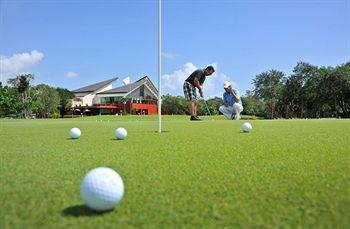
(74, 43)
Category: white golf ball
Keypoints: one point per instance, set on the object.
(102, 189)
(247, 127)
(74, 133)
(120, 133)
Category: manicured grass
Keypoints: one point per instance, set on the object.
(285, 173)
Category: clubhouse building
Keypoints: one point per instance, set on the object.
(139, 97)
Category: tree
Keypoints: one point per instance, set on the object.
(268, 87)
(175, 104)
(66, 97)
(36, 103)
(253, 105)
(336, 90)
(293, 97)
(310, 91)
(212, 104)
(22, 83)
(342, 79)
(303, 74)
(316, 94)
(47, 99)
(7, 101)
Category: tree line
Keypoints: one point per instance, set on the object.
(20, 99)
(309, 92)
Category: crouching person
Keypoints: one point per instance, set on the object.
(232, 107)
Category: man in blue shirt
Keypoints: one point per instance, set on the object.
(232, 107)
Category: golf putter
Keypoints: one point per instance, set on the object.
(206, 105)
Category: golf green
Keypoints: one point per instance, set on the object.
(285, 173)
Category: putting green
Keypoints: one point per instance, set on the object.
(285, 173)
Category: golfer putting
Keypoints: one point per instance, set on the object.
(232, 107)
(196, 80)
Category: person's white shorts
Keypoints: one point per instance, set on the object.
(229, 111)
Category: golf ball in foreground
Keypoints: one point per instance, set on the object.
(101, 189)
(247, 127)
(120, 133)
(74, 133)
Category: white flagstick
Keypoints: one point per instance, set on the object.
(159, 66)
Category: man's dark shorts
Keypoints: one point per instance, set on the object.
(190, 92)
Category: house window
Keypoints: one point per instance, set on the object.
(106, 99)
(142, 91)
(77, 99)
(117, 99)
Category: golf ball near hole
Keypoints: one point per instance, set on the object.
(247, 127)
(102, 189)
(75, 133)
(120, 133)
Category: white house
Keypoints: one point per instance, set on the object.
(139, 97)
(139, 90)
(86, 96)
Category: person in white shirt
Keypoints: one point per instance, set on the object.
(232, 107)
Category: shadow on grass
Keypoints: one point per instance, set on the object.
(153, 131)
(81, 210)
(163, 131)
(72, 138)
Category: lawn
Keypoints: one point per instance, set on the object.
(285, 173)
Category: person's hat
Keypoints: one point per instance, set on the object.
(227, 84)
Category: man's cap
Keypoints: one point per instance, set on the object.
(227, 84)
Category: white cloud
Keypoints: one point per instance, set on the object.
(18, 63)
(172, 83)
(213, 85)
(71, 74)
